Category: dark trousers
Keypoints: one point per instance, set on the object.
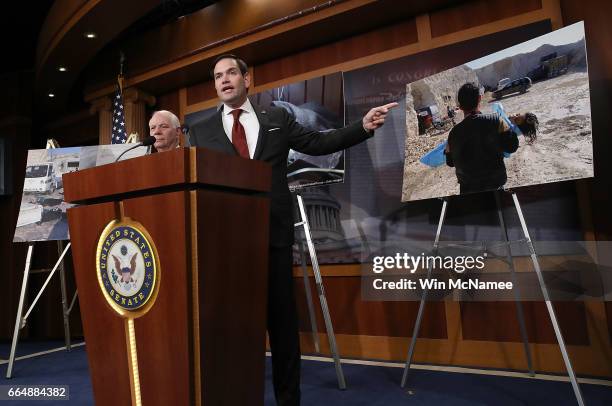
(283, 327)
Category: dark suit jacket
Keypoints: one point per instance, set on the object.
(278, 132)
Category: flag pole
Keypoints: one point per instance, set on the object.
(120, 79)
(119, 125)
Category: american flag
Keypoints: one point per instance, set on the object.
(118, 134)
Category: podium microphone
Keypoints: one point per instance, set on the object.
(150, 140)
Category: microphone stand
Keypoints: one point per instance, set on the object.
(145, 143)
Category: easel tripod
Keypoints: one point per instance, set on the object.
(20, 318)
(321, 292)
(545, 294)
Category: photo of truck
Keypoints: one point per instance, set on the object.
(62, 166)
(39, 178)
(550, 66)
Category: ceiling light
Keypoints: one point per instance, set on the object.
(90, 35)
(62, 69)
(51, 94)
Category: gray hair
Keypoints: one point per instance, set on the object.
(174, 121)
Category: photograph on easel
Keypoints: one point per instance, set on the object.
(517, 117)
(42, 214)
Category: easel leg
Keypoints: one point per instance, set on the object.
(18, 319)
(65, 312)
(73, 301)
(324, 308)
(311, 312)
(549, 306)
(44, 286)
(517, 295)
(417, 324)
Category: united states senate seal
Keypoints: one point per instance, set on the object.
(127, 267)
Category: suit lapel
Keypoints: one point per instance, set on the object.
(262, 117)
(219, 132)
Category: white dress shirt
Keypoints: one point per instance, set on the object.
(249, 121)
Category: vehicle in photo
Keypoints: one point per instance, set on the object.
(62, 166)
(510, 87)
(39, 178)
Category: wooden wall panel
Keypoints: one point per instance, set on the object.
(167, 43)
(353, 316)
(178, 53)
(168, 101)
(497, 321)
(596, 16)
(171, 102)
(201, 92)
(476, 13)
(358, 46)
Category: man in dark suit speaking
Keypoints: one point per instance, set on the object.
(252, 132)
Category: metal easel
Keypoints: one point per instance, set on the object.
(21, 319)
(545, 294)
(321, 292)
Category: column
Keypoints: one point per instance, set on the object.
(135, 102)
(103, 107)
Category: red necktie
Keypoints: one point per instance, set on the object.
(239, 136)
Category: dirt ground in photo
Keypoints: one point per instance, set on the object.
(563, 149)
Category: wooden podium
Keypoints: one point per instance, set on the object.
(202, 341)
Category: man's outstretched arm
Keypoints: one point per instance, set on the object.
(375, 118)
(322, 143)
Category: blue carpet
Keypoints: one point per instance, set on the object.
(367, 385)
(58, 368)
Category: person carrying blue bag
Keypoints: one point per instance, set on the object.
(528, 121)
(476, 146)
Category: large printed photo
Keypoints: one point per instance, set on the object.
(42, 215)
(530, 122)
